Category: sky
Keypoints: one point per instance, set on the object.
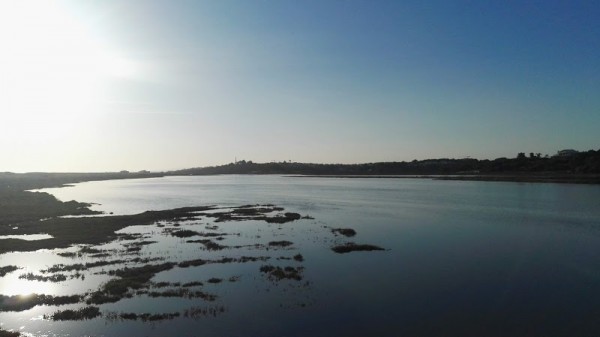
(159, 85)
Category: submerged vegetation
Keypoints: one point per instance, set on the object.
(128, 279)
(298, 257)
(184, 233)
(276, 273)
(353, 247)
(75, 315)
(51, 278)
(283, 243)
(254, 212)
(193, 312)
(349, 232)
(183, 293)
(210, 245)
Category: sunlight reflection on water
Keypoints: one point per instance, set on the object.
(27, 237)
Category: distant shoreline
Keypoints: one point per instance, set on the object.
(570, 166)
(561, 179)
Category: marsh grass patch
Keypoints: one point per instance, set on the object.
(354, 247)
(347, 232)
(276, 273)
(7, 269)
(283, 243)
(4, 333)
(85, 313)
(184, 233)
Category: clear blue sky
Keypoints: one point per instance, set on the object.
(111, 85)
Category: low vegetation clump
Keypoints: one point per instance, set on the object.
(183, 293)
(142, 243)
(280, 243)
(133, 249)
(158, 317)
(276, 273)
(7, 269)
(129, 278)
(81, 267)
(100, 297)
(353, 247)
(192, 263)
(142, 274)
(286, 217)
(193, 312)
(165, 284)
(251, 210)
(198, 312)
(184, 233)
(209, 245)
(4, 333)
(209, 235)
(68, 254)
(193, 284)
(89, 250)
(200, 262)
(349, 232)
(51, 278)
(299, 257)
(254, 212)
(139, 279)
(76, 315)
(146, 317)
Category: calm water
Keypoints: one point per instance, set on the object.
(462, 259)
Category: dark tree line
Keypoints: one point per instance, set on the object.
(579, 163)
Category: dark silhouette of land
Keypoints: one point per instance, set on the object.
(573, 167)
(18, 205)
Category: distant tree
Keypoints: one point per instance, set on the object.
(531, 155)
(521, 155)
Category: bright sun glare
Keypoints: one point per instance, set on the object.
(51, 66)
(12, 286)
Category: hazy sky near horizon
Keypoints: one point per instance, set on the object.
(110, 85)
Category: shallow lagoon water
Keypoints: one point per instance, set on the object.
(462, 259)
